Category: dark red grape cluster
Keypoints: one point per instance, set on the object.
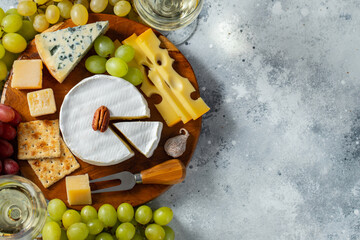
(9, 120)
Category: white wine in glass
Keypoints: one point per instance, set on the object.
(170, 16)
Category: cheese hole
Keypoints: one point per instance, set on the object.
(195, 95)
(159, 60)
(156, 98)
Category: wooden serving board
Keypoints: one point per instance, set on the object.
(120, 28)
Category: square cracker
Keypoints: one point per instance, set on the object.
(38, 139)
(51, 170)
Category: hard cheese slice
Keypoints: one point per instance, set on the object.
(41, 102)
(120, 97)
(144, 136)
(27, 74)
(78, 190)
(175, 90)
(62, 50)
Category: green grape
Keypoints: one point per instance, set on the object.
(125, 212)
(169, 233)
(77, 231)
(14, 42)
(9, 58)
(125, 231)
(95, 64)
(122, 8)
(95, 226)
(104, 236)
(125, 52)
(83, 2)
(134, 76)
(154, 232)
(88, 213)
(79, 14)
(3, 70)
(97, 6)
(137, 236)
(116, 67)
(51, 231)
(63, 235)
(11, 23)
(163, 216)
(2, 51)
(143, 214)
(26, 8)
(70, 217)
(12, 11)
(49, 219)
(113, 2)
(90, 237)
(52, 14)
(107, 214)
(27, 30)
(58, 0)
(104, 46)
(41, 2)
(40, 23)
(56, 209)
(2, 14)
(65, 8)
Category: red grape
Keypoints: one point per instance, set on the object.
(16, 120)
(6, 149)
(7, 131)
(10, 166)
(7, 114)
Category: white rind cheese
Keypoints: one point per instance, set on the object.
(144, 136)
(63, 49)
(76, 114)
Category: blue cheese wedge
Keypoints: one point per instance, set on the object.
(144, 136)
(62, 50)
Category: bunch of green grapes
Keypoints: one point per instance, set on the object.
(117, 65)
(123, 223)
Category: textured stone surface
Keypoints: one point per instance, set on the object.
(279, 154)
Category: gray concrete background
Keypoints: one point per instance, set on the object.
(279, 153)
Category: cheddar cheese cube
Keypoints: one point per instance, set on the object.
(27, 74)
(41, 102)
(78, 190)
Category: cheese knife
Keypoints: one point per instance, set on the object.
(167, 173)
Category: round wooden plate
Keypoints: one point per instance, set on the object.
(120, 28)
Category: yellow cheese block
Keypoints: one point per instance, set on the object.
(27, 74)
(162, 63)
(41, 102)
(163, 80)
(78, 190)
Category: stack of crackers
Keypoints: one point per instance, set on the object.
(40, 143)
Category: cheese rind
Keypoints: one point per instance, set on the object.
(27, 74)
(123, 101)
(41, 102)
(144, 136)
(78, 190)
(63, 49)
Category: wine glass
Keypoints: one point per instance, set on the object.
(175, 19)
(22, 208)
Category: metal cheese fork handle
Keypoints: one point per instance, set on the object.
(167, 173)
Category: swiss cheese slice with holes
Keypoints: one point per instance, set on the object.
(144, 136)
(123, 100)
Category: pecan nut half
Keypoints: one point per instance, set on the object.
(101, 119)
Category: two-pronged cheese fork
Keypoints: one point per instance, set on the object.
(167, 173)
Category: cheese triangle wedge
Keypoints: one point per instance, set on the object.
(144, 136)
(63, 49)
